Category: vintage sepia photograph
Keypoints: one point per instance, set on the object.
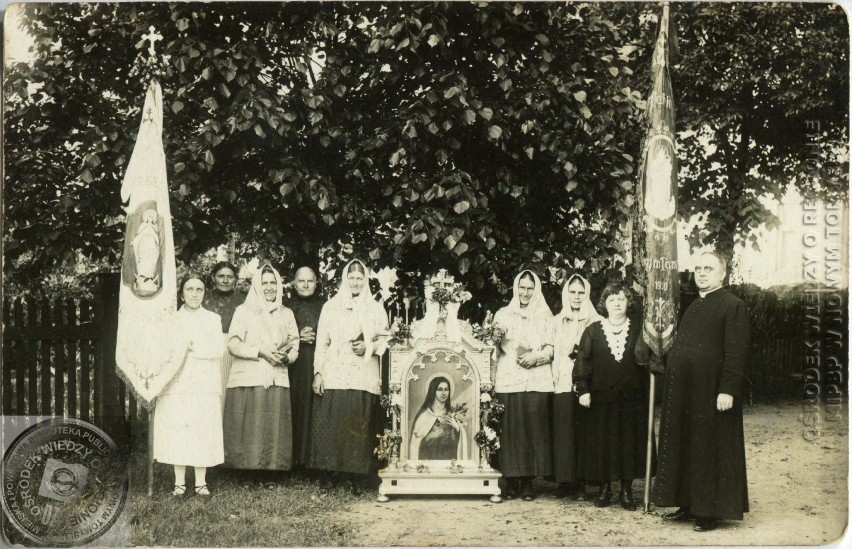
(402, 274)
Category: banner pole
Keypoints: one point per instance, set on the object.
(650, 444)
(151, 451)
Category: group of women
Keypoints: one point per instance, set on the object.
(252, 349)
(570, 383)
(573, 390)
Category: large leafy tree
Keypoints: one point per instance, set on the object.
(234, 105)
(485, 136)
(763, 101)
(492, 135)
(476, 136)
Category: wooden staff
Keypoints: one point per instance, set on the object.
(650, 445)
(151, 451)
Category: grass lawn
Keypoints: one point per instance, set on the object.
(301, 511)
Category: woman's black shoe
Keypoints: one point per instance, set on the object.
(626, 497)
(580, 493)
(604, 495)
(527, 493)
(511, 491)
(564, 489)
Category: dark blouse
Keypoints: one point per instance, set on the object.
(306, 310)
(597, 371)
(224, 305)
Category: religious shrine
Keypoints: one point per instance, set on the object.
(440, 392)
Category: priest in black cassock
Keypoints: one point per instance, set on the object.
(701, 465)
(306, 305)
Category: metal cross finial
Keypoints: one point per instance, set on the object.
(443, 278)
(153, 36)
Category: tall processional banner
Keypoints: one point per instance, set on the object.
(659, 191)
(148, 293)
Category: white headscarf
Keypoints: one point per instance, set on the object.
(255, 300)
(537, 309)
(363, 302)
(537, 304)
(344, 293)
(587, 311)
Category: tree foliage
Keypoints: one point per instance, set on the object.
(763, 89)
(480, 137)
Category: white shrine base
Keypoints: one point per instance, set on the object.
(396, 481)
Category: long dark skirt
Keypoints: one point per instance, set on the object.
(565, 426)
(344, 425)
(257, 428)
(526, 446)
(301, 375)
(613, 438)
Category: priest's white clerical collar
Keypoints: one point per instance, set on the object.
(705, 294)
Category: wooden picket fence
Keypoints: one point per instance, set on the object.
(59, 358)
(51, 354)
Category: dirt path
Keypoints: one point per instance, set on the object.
(797, 489)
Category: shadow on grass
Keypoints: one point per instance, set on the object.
(303, 510)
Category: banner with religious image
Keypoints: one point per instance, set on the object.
(148, 292)
(659, 189)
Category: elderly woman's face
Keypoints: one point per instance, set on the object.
(442, 393)
(305, 282)
(224, 279)
(526, 288)
(193, 293)
(616, 305)
(268, 285)
(356, 282)
(576, 294)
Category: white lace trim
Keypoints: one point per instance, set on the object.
(616, 337)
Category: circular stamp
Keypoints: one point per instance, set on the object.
(64, 482)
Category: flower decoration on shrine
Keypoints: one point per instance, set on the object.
(455, 468)
(400, 332)
(388, 446)
(489, 332)
(443, 289)
(491, 410)
(391, 403)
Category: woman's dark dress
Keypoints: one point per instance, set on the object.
(614, 429)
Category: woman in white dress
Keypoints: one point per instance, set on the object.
(188, 414)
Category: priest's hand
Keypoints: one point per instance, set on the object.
(586, 400)
(724, 402)
(656, 365)
(318, 386)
